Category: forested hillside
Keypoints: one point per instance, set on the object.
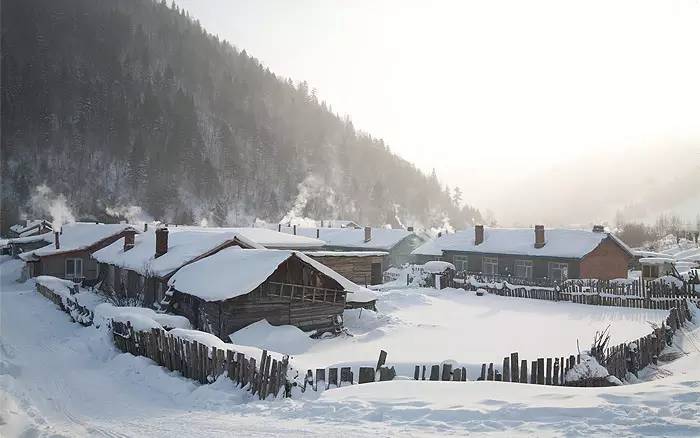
(116, 103)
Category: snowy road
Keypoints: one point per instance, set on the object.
(61, 379)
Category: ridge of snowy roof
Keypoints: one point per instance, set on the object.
(565, 243)
(184, 246)
(346, 253)
(265, 237)
(382, 238)
(233, 272)
(78, 236)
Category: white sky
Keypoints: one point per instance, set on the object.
(494, 94)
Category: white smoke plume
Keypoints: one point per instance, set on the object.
(44, 202)
(132, 213)
(311, 187)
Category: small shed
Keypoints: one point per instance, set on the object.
(361, 267)
(441, 273)
(655, 267)
(235, 287)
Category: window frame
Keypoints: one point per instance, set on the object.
(489, 261)
(461, 262)
(558, 266)
(527, 265)
(72, 275)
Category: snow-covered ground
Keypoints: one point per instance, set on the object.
(58, 378)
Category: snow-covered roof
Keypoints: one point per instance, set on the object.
(437, 267)
(381, 239)
(656, 260)
(519, 241)
(323, 223)
(184, 245)
(46, 237)
(265, 237)
(78, 236)
(233, 272)
(28, 226)
(346, 253)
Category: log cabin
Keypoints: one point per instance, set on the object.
(527, 254)
(140, 268)
(70, 255)
(361, 267)
(235, 287)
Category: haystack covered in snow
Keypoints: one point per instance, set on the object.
(236, 287)
(140, 267)
(539, 253)
(68, 253)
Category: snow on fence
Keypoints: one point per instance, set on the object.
(60, 292)
(338, 377)
(205, 363)
(636, 293)
(617, 361)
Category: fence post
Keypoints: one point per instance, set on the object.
(523, 371)
(514, 374)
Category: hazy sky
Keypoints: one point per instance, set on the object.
(525, 105)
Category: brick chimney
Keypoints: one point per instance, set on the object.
(598, 229)
(57, 240)
(368, 234)
(409, 229)
(539, 236)
(161, 241)
(439, 234)
(478, 234)
(128, 241)
(145, 227)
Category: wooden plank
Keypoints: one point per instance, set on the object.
(435, 372)
(367, 375)
(457, 375)
(446, 372)
(514, 372)
(382, 359)
(548, 377)
(506, 369)
(523, 371)
(555, 374)
(320, 377)
(345, 375)
(482, 376)
(416, 372)
(333, 377)
(489, 373)
(533, 372)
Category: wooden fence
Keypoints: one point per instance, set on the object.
(619, 360)
(639, 294)
(337, 377)
(77, 312)
(198, 361)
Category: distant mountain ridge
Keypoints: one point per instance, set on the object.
(122, 103)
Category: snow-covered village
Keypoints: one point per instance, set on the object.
(328, 218)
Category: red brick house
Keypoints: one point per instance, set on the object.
(539, 254)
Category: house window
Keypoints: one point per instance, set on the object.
(74, 269)
(490, 265)
(650, 271)
(462, 263)
(558, 271)
(523, 269)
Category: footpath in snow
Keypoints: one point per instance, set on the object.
(58, 379)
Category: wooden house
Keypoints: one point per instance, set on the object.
(527, 254)
(655, 267)
(31, 228)
(398, 243)
(140, 268)
(361, 267)
(70, 255)
(236, 287)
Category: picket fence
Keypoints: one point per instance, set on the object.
(619, 360)
(639, 294)
(203, 363)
